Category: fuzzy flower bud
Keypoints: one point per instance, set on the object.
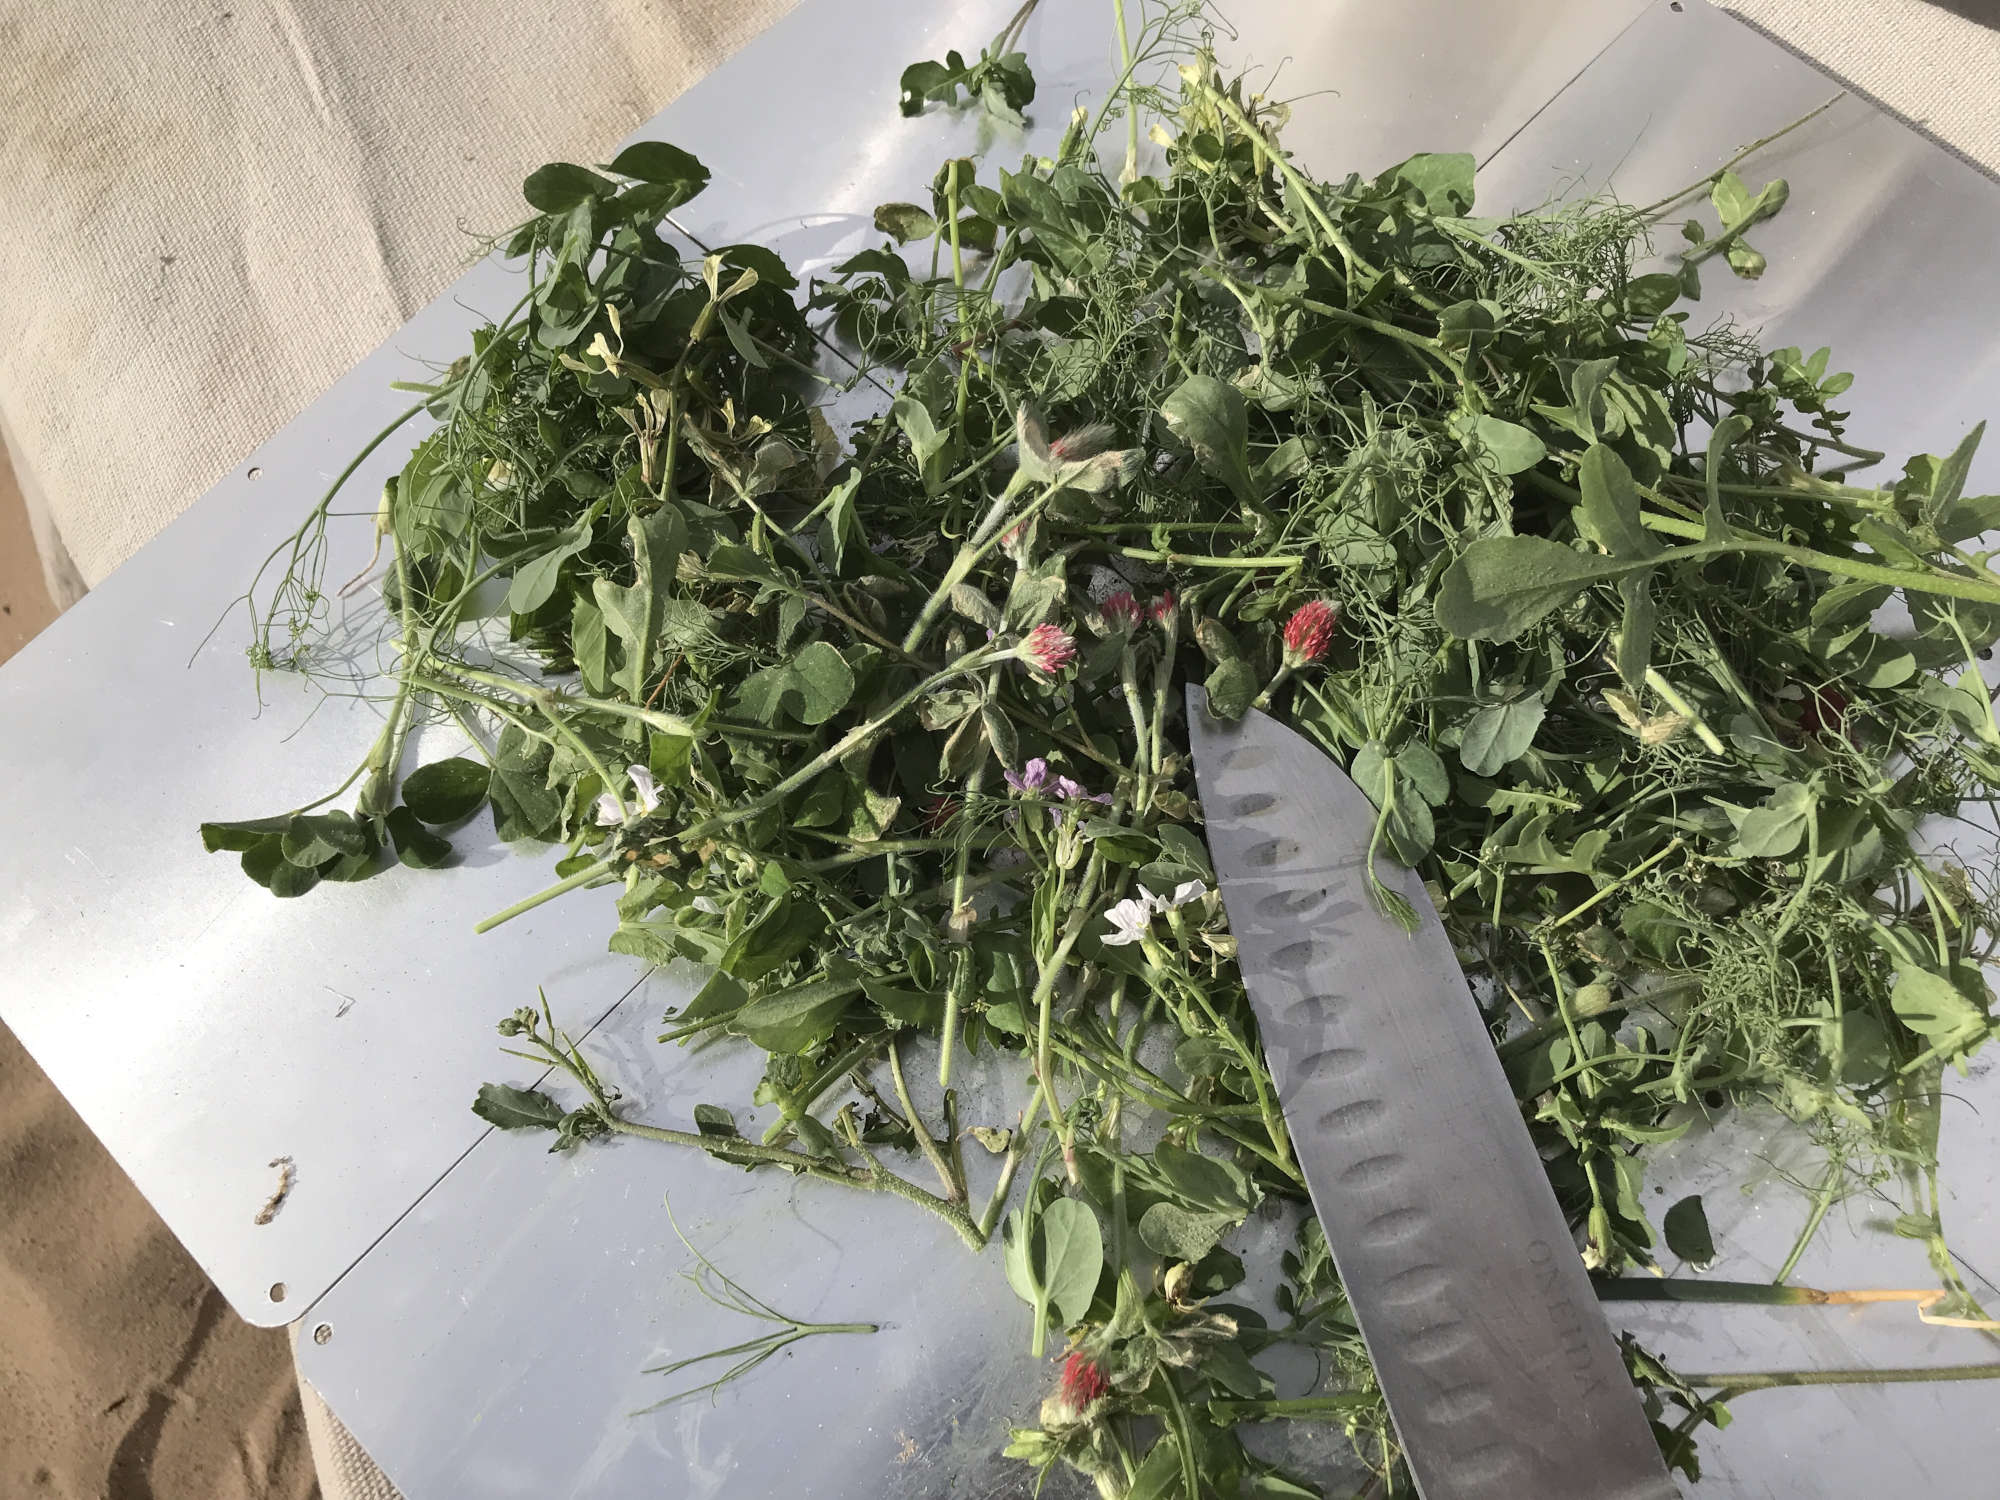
(1048, 649)
(1309, 632)
(1122, 613)
(1083, 1384)
(1165, 611)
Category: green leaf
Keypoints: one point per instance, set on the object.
(1159, 1477)
(633, 612)
(534, 583)
(1932, 1006)
(1499, 734)
(313, 840)
(931, 449)
(799, 1016)
(516, 1109)
(241, 836)
(1504, 585)
(416, 845)
(1635, 632)
(1512, 448)
(1209, 416)
(1180, 1233)
(265, 863)
(812, 687)
(774, 939)
(1232, 687)
(446, 791)
(561, 185)
(590, 643)
(1443, 180)
(904, 222)
(1204, 1180)
(1775, 828)
(523, 805)
(1072, 1258)
(663, 165)
(1687, 1232)
(1609, 511)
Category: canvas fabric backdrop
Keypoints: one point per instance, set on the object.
(212, 210)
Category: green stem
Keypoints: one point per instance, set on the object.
(602, 868)
(1767, 1380)
(869, 1179)
(954, 1190)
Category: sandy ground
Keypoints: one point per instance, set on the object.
(123, 1374)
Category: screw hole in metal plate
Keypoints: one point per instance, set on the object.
(277, 1291)
(323, 1334)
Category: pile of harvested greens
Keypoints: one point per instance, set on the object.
(844, 629)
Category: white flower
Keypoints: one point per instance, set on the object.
(1130, 921)
(644, 785)
(1186, 891)
(610, 812)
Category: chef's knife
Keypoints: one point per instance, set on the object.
(1499, 1369)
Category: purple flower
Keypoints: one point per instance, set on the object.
(1031, 778)
(1071, 791)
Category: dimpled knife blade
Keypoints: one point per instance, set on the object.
(1499, 1369)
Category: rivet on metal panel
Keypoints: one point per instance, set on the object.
(323, 1334)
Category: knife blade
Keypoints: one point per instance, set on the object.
(1498, 1367)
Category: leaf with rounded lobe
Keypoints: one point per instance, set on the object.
(560, 186)
(1512, 448)
(1507, 584)
(1688, 1234)
(1932, 1006)
(416, 845)
(516, 1109)
(1776, 827)
(1072, 1258)
(904, 222)
(1182, 1234)
(1209, 416)
(664, 165)
(534, 582)
(446, 791)
(1499, 734)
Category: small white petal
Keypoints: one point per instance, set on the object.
(647, 788)
(1188, 890)
(1130, 921)
(1152, 902)
(609, 813)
